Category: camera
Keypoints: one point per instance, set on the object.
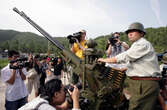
(113, 40)
(72, 38)
(54, 61)
(71, 88)
(22, 62)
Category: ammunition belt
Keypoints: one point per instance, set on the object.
(116, 76)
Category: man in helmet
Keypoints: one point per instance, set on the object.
(142, 70)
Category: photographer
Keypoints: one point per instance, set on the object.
(58, 67)
(33, 76)
(163, 83)
(114, 47)
(16, 92)
(52, 97)
(43, 68)
(79, 45)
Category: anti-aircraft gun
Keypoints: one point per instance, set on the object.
(102, 90)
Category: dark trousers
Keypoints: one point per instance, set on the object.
(42, 81)
(144, 94)
(15, 105)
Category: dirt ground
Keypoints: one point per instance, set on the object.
(2, 95)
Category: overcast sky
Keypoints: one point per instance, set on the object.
(97, 17)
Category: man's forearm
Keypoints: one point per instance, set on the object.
(23, 77)
(12, 78)
(80, 46)
(108, 60)
(108, 52)
(126, 46)
(76, 104)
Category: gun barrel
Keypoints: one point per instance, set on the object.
(67, 53)
(16, 10)
(42, 31)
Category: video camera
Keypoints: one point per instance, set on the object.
(54, 60)
(113, 40)
(22, 62)
(72, 38)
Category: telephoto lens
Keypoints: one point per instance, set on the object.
(71, 88)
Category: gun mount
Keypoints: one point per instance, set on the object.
(102, 89)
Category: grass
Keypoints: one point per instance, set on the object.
(3, 63)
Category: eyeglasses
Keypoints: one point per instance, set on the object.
(117, 37)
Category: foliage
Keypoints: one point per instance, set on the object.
(157, 36)
(27, 42)
(3, 62)
(30, 42)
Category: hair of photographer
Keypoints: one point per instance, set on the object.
(48, 91)
(46, 98)
(52, 96)
(83, 35)
(13, 55)
(79, 47)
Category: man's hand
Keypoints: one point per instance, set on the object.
(75, 97)
(75, 93)
(76, 40)
(12, 78)
(119, 41)
(23, 77)
(100, 59)
(107, 60)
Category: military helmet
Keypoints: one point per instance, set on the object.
(164, 58)
(136, 26)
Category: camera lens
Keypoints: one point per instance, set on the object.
(71, 88)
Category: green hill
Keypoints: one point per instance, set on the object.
(157, 36)
(26, 41)
(30, 42)
(7, 35)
